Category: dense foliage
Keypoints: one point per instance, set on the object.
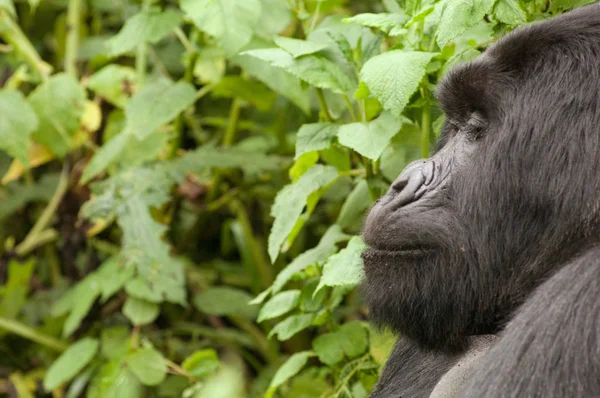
(165, 163)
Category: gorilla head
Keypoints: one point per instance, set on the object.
(511, 195)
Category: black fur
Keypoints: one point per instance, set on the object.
(502, 224)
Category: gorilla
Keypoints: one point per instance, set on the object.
(485, 257)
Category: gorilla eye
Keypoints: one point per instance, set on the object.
(475, 127)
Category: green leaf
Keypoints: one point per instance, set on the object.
(394, 76)
(148, 365)
(225, 301)
(140, 312)
(290, 202)
(279, 304)
(59, 105)
(328, 348)
(370, 139)
(231, 22)
(138, 288)
(104, 157)
(298, 48)
(113, 274)
(8, 6)
(201, 363)
(316, 70)
(250, 91)
(87, 291)
(315, 137)
(274, 18)
(510, 12)
(114, 380)
(318, 254)
(70, 363)
(16, 195)
(148, 26)
(355, 205)
(13, 295)
(464, 56)
(112, 83)
(17, 122)
(346, 267)
(275, 78)
(227, 382)
(290, 368)
(287, 328)
(351, 340)
(115, 341)
(384, 22)
(460, 15)
(157, 104)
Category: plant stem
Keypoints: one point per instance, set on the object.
(13, 35)
(29, 333)
(142, 52)
(41, 238)
(425, 130)
(72, 42)
(234, 115)
(323, 104)
(350, 107)
(38, 232)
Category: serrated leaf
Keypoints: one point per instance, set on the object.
(510, 12)
(201, 363)
(460, 15)
(17, 122)
(370, 139)
(394, 76)
(231, 22)
(384, 22)
(315, 137)
(290, 202)
(292, 325)
(318, 254)
(148, 26)
(114, 83)
(290, 368)
(59, 105)
(279, 304)
(297, 47)
(148, 365)
(157, 104)
(316, 70)
(275, 78)
(346, 267)
(70, 363)
(140, 312)
(225, 301)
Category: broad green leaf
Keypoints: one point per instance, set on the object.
(290, 202)
(355, 206)
(510, 12)
(292, 325)
(114, 380)
(210, 65)
(138, 288)
(297, 47)
(250, 91)
(201, 363)
(59, 105)
(227, 382)
(564, 5)
(275, 78)
(276, 15)
(70, 363)
(16, 195)
(346, 267)
(394, 76)
(115, 341)
(87, 291)
(316, 70)
(104, 157)
(370, 139)
(351, 340)
(303, 164)
(140, 312)
(460, 15)
(318, 254)
(148, 365)
(315, 137)
(113, 274)
(225, 301)
(384, 22)
(147, 26)
(13, 295)
(328, 348)
(157, 104)
(290, 368)
(279, 304)
(17, 122)
(114, 83)
(231, 22)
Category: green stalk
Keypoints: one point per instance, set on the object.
(141, 61)
(350, 107)
(323, 104)
(29, 333)
(234, 115)
(72, 42)
(425, 130)
(14, 36)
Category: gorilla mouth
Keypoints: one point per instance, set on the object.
(409, 250)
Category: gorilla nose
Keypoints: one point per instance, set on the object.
(406, 188)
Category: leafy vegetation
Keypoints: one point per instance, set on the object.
(183, 185)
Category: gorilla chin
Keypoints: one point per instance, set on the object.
(498, 232)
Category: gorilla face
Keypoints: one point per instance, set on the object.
(512, 192)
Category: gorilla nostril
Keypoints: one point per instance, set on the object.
(429, 172)
(400, 183)
(409, 190)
